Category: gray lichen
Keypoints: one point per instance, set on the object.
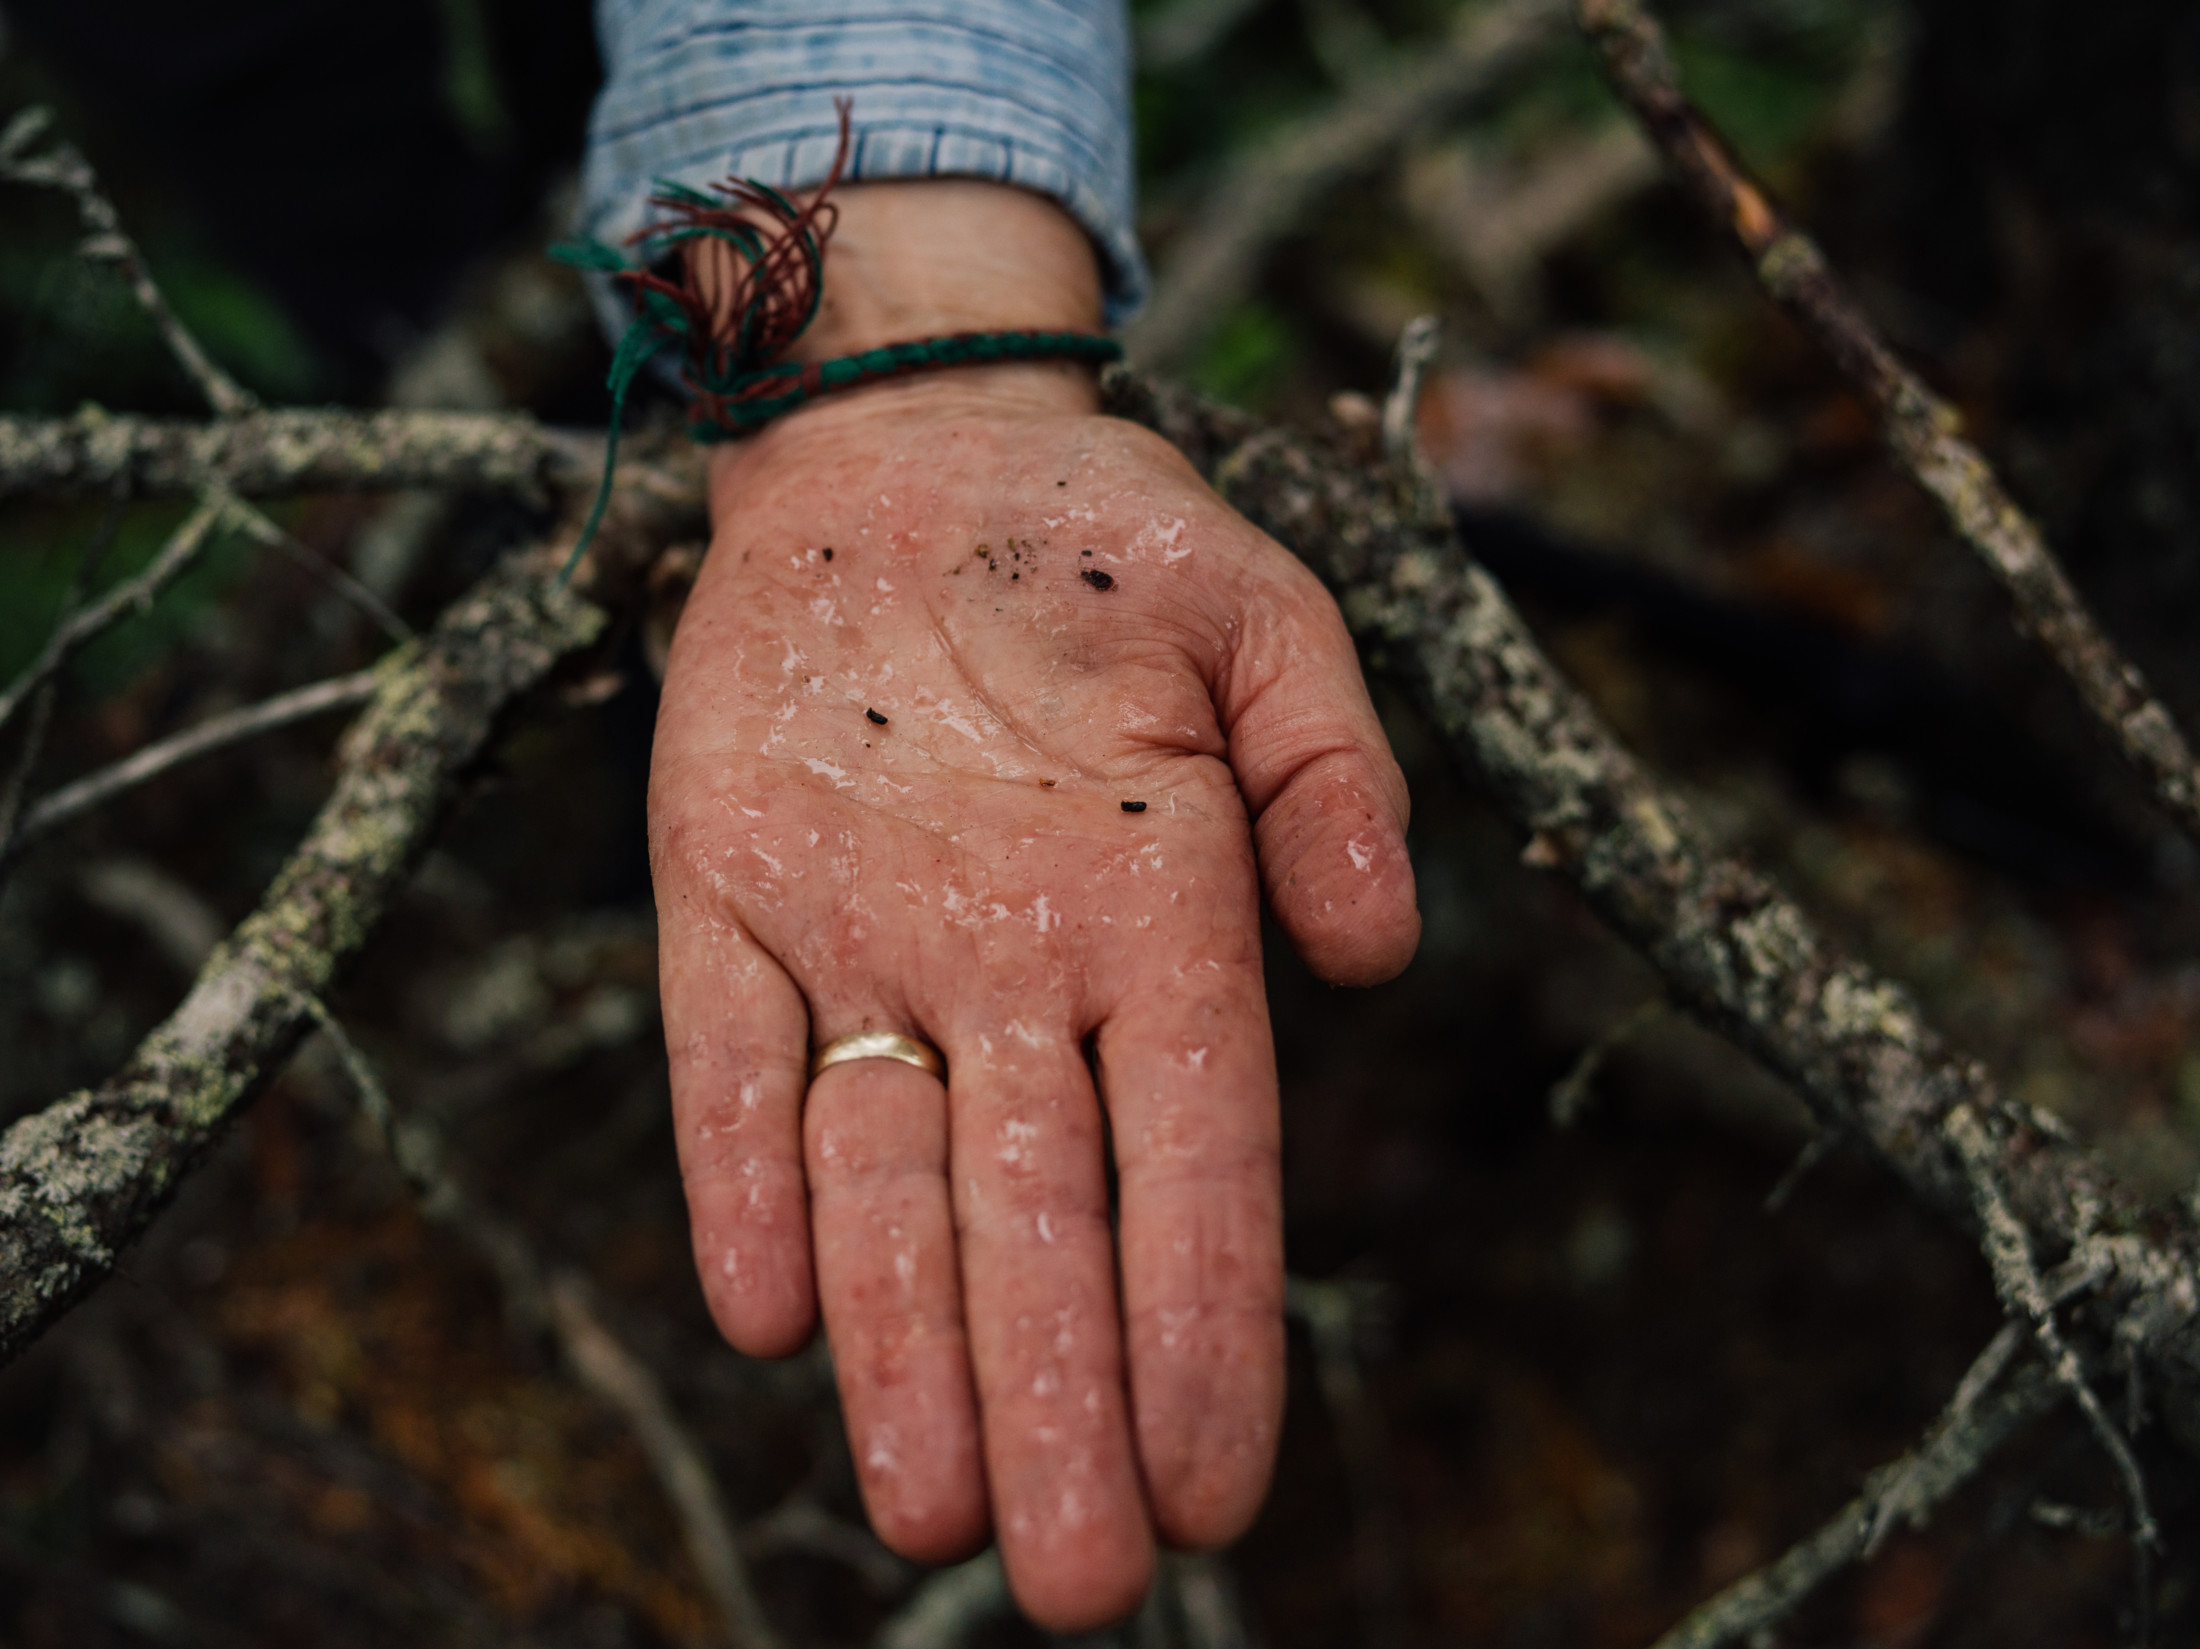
(82, 1178)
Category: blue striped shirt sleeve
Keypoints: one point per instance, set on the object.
(1034, 93)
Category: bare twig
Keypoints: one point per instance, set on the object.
(1269, 191)
(950, 1607)
(72, 801)
(1897, 1489)
(25, 763)
(2024, 1295)
(28, 126)
(49, 691)
(1948, 1459)
(560, 1300)
(1815, 1150)
(800, 1524)
(257, 526)
(126, 600)
(1184, 31)
(1570, 1095)
(2094, 1525)
(1418, 345)
(183, 927)
(64, 168)
(1920, 428)
(1207, 1600)
(1334, 1313)
(1498, 222)
(617, 1376)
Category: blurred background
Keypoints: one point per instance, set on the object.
(1556, 1377)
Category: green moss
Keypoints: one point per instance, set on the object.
(1247, 357)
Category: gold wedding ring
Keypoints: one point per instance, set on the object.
(879, 1045)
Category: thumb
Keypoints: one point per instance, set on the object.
(1328, 801)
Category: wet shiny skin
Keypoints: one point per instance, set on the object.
(966, 872)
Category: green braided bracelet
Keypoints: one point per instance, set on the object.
(733, 340)
(751, 406)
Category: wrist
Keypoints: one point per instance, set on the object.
(927, 258)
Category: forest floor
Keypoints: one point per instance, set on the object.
(1602, 1377)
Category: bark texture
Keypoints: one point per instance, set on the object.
(81, 1179)
(97, 453)
(1732, 949)
(1921, 430)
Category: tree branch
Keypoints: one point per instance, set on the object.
(81, 1179)
(72, 801)
(1268, 190)
(131, 597)
(2024, 1295)
(1733, 950)
(64, 168)
(1949, 1457)
(1920, 428)
(268, 454)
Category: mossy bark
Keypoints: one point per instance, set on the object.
(81, 1179)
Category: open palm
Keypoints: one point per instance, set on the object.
(970, 731)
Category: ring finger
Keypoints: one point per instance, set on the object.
(875, 1138)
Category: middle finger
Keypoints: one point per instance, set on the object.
(1038, 1263)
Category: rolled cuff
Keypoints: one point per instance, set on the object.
(1032, 93)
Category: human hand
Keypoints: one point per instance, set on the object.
(1053, 616)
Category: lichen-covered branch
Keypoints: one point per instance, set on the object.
(1920, 428)
(1733, 950)
(2025, 1296)
(266, 454)
(81, 1179)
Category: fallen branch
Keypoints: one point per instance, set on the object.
(1733, 951)
(1268, 192)
(81, 1179)
(1917, 425)
(272, 454)
(1951, 1455)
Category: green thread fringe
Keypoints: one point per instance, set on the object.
(735, 403)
